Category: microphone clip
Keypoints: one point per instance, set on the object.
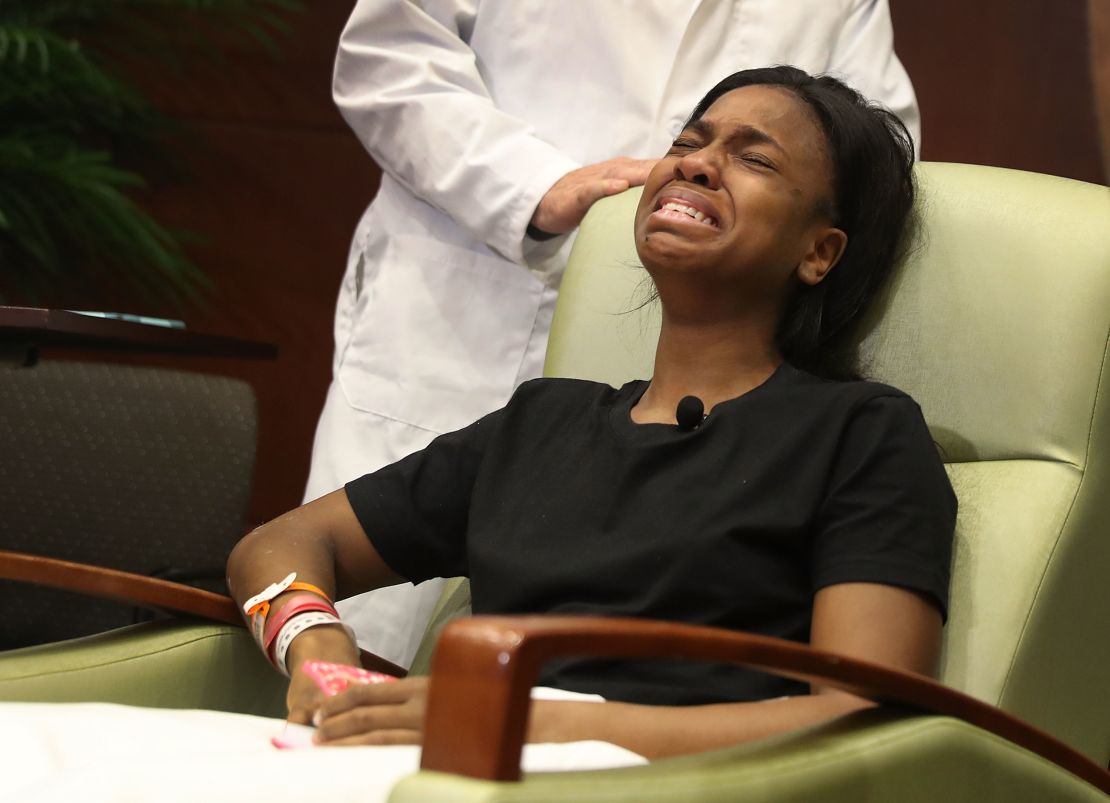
(690, 413)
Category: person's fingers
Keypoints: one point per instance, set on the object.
(382, 737)
(300, 716)
(371, 718)
(642, 171)
(562, 213)
(615, 185)
(564, 206)
(370, 694)
(585, 196)
(302, 700)
(625, 163)
(634, 171)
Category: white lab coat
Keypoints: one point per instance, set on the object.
(473, 109)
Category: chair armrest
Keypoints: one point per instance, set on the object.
(484, 667)
(137, 589)
(120, 586)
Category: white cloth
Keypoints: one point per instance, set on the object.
(473, 109)
(101, 753)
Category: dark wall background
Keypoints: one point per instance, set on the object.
(268, 174)
(1002, 83)
(275, 182)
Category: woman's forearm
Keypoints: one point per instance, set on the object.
(661, 731)
(321, 541)
(325, 545)
(272, 551)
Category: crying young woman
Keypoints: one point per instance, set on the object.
(802, 503)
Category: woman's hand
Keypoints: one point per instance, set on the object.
(303, 699)
(376, 713)
(324, 643)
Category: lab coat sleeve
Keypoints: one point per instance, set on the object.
(864, 56)
(409, 86)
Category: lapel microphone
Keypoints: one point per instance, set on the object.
(690, 413)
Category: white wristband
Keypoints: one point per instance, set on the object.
(258, 618)
(297, 625)
(269, 592)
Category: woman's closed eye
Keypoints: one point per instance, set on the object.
(757, 159)
(684, 145)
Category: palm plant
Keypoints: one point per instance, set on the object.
(69, 119)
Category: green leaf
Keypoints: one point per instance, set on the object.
(65, 197)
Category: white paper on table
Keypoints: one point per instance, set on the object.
(97, 752)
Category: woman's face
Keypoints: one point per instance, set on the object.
(737, 197)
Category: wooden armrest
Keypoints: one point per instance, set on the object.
(484, 667)
(138, 589)
(126, 587)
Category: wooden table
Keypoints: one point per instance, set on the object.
(29, 328)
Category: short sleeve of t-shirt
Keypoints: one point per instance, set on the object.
(415, 511)
(889, 510)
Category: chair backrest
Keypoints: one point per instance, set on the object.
(142, 469)
(997, 324)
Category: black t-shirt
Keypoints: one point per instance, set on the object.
(560, 503)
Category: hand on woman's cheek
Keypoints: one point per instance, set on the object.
(379, 713)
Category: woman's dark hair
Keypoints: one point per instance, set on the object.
(871, 154)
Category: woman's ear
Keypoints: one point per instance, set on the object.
(827, 249)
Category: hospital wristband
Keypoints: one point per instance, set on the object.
(297, 625)
(301, 603)
(257, 608)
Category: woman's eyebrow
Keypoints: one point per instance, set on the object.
(749, 133)
(700, 126)
(745, 132)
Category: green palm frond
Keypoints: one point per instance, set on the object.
(49, 13)
(67, 119)
(45, 78)
(64, 208)
(255, 18)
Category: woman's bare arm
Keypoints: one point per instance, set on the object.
(326, 546)
(321, 541)
(879, 623)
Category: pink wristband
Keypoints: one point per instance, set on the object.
(257, 608)
(298, 604)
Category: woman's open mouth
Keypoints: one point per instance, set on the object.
(686, 206)
(677, 210)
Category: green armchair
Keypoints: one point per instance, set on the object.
(998, 324)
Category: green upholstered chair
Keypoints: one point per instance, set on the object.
(998, 325)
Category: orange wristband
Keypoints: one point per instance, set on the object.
(263, 607)
(257, 608)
